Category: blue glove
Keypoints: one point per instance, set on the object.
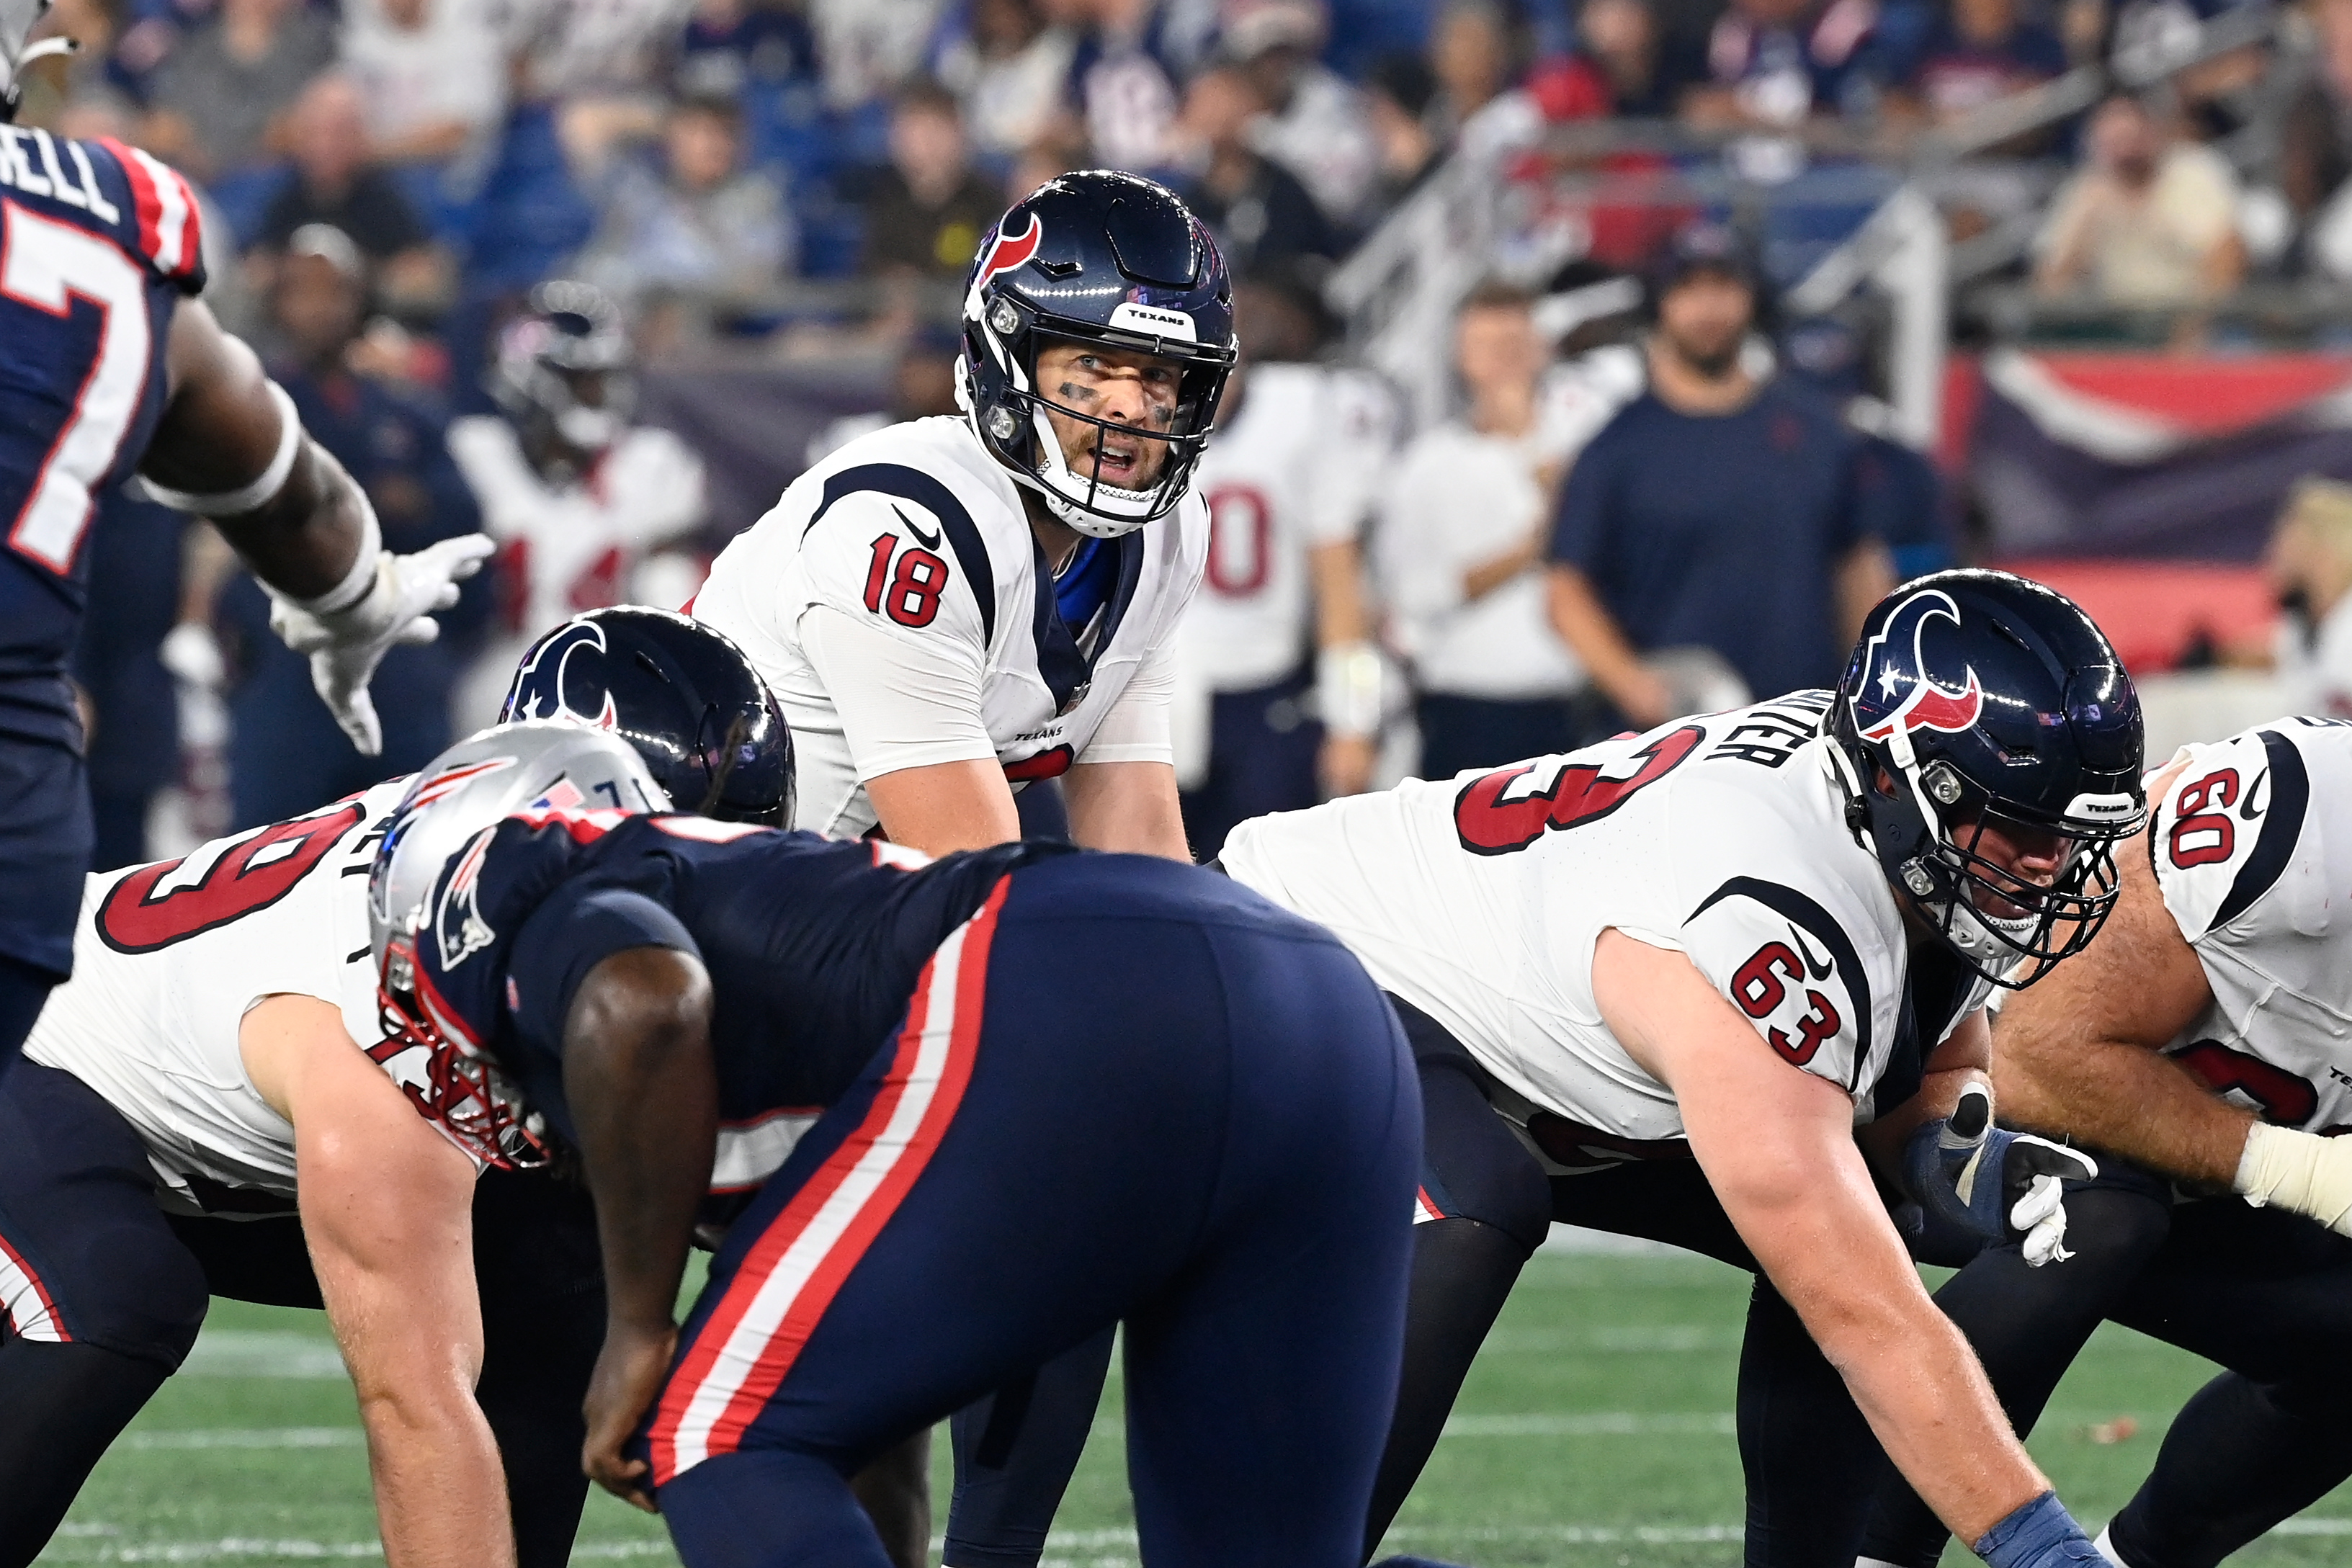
(1966, 1174)
(2041, 1534)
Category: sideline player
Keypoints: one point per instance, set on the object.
(198, 1079)
(109, 364)
(1212, 1139)
(1297, 461)
(952, 608)
(2201, 1036)
(574, 492)
(1585, 950)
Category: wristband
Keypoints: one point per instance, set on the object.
(1348, 688)
(2297, 1171)
(2039, 1534)
(246, 498)
(359, 582)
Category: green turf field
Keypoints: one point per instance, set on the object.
(1595, 1431)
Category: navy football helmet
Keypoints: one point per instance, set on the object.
(1978, 702)
(563, 368)
(681, 694)
(1110, 259)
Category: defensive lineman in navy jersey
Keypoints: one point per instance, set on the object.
(107, 366)
(1010, 1151)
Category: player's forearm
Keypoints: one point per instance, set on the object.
(2125, 1099)
(1593, 635)
(440, 1489)
(1881, 1141)
(306, 540)
(1128, 808)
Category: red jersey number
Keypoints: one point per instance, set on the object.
(1487, 824)
(2202, 832)
(1240, 540)
(910, 595)
(1758, 989)
(252, 873)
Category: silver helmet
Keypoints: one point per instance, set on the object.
(449, 812)
(17, 20)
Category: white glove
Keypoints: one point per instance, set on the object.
(345, 645)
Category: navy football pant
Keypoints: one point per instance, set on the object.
(1262, 751)
(45, 844)
(24, 991)
(1134, 1093)
(1486, 1203)
(103, 1294)
(2266, 1294)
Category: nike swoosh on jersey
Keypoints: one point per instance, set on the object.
(930, 541)
(1819, 971)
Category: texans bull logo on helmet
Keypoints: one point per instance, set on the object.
(1011, 250)
(1896, 657)
(552, 657)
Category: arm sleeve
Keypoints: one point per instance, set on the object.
(1139, 727)
(903, 702)
(574, 930)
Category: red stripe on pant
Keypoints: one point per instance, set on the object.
(807, 1308)
(14, 1262)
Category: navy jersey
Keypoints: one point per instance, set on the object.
(812, 946)
(97, 243)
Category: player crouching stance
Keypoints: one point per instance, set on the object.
(1657, 985)
(1208, 1131)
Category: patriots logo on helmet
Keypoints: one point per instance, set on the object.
(1926, 705)
(541, 685)
(457, 922)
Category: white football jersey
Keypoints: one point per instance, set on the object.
(168, 957)
(565, 548)
(1478, 900)
(917, 533)
(1298, 466)
(2253, 848)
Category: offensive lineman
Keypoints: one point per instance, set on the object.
(2201, 1036)
(951, 609)
(1297, 463)
(1585, 949)
(1212, 1140)
(109, 365)
(198, 1081)
(575, 494)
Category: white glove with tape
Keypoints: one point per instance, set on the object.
(347, 632)
(2302, 1172)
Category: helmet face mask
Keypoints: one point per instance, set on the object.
(1991, 747)
(1112, 261)
(465, 1092)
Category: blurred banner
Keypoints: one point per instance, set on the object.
(2144, 456)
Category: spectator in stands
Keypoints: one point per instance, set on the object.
(927, 209)
(1458, 554)
(1315, 124)
(337, 183)
(868, 49)
(1714, 511)
(599, 68)
(1474, 48)
(1400, 95)
(2310, 567)
(1773, 63)
(696, 220)
(1121, 84)
(1978, 53)
(1007, 67)
(1258, 210)
(2315, 145)
(1644, 74)
(2149, 220)
(431, 79)
(286, 753)
(219, 97)
(732, 46)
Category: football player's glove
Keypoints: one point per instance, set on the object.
(2039, 1534)
(347, 632)
(1973, 1183)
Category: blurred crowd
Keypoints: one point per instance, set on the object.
(387, 182)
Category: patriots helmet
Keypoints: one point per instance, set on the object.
(17, 20)
(1977, 703)
(1109, 259)
(683, 695)
(422, 888)
(562, 368)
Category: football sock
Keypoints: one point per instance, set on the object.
(1462, 1273)
(65, 1404)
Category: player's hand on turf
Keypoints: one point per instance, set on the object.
(628, 1377)
(345, 646)
(1966, 1174)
